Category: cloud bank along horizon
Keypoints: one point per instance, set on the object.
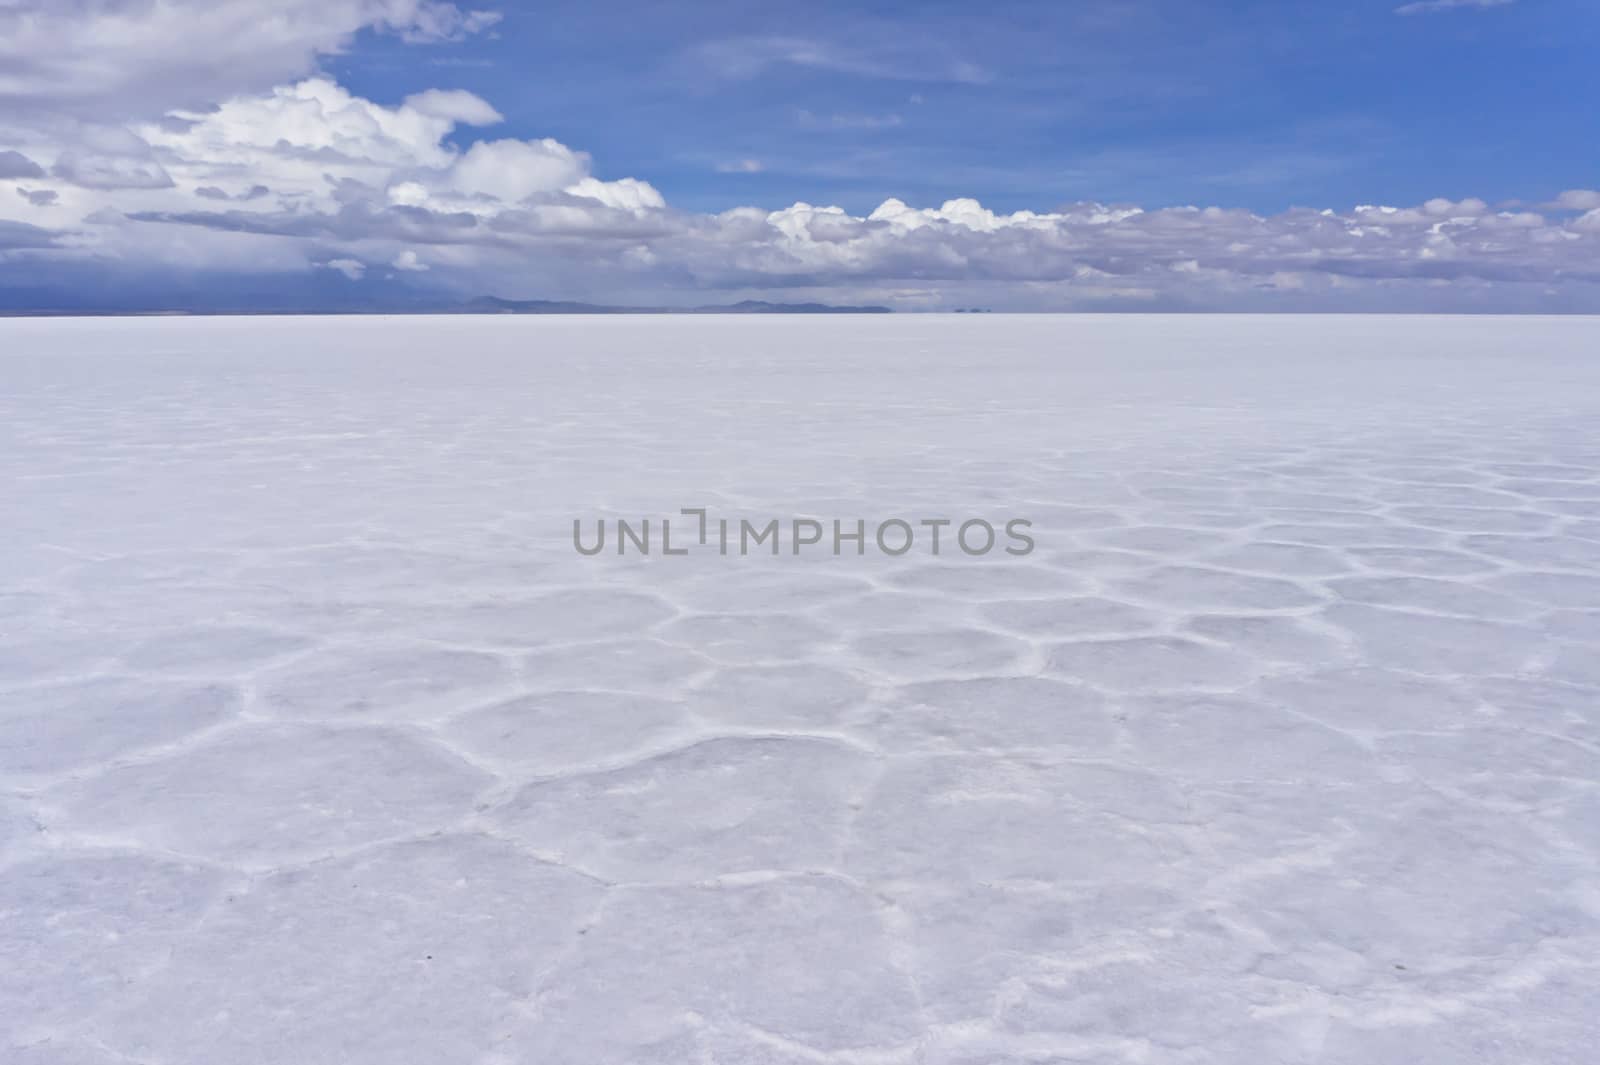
(187, 140)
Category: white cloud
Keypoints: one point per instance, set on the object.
(130, 58)
(311, 174)
(304, 175)
(454, 105)
(354, 269)
(511, 171)
(431, 22)
(970, 214)
(316, 175)
(313, 146)
(625, 194)
(1431, 7)
(742, 58)
(318, 122)
(1578, 200)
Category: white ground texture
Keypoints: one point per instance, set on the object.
(320, 744)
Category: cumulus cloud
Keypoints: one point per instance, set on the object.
(1577, 200)
(303, 175)
(1164, 250)
(314, 123)
(325, 176)
(512, 171)
(340, 182)
(625, 194)
(126, 58)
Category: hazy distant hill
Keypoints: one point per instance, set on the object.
(335, 301)
(496, 305)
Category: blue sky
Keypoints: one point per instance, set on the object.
(656, 153)
(1027, 104)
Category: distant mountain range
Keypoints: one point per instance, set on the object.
(496, 305)
(20, 305)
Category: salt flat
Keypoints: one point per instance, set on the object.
(320, 742)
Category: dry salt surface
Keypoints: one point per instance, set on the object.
(319, 743)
